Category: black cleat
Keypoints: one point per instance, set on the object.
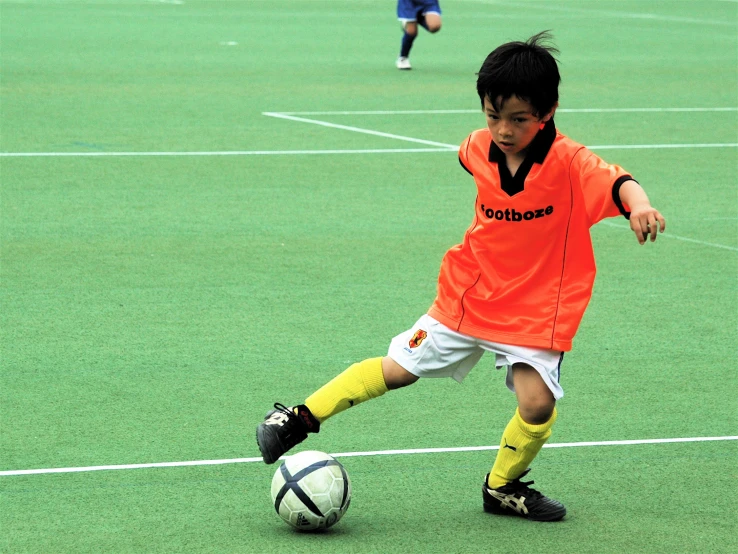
(518, 499)
(282, 429)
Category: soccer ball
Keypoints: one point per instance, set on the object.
(311, 490)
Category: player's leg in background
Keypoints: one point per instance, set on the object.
(411, 13)
(430, 21)
(406, 14)
(410, 31)
(528, 430)
(429, 15)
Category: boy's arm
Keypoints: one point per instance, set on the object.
(644, 219)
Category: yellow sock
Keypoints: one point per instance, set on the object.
(520, 443)
(358, 383)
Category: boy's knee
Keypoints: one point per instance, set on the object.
(433, 23)
(410, 28)
(396, 376)
(536, 402)
(536, 412)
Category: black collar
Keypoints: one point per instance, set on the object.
(537, 151)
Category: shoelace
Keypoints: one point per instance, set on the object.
(524, 486)
(285, 410)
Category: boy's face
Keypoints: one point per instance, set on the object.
(514, 126)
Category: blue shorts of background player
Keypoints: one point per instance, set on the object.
(411, 13)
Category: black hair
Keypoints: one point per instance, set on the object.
(527, 70)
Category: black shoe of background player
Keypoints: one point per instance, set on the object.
(517, 498)
(282, 429)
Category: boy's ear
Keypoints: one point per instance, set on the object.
(550, 114)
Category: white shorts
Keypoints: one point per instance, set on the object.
(430, 349)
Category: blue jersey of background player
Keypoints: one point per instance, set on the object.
(411, 13)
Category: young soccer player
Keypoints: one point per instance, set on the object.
(411, 13)
(517, 285)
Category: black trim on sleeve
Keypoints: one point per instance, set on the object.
(465, 168)
(616, 194)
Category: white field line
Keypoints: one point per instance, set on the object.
(359, 130)
(479, 111)
(226, 152)
(355, 454)
(454, 147)
(440, 146)
(659, 146)
(609, 14)
(676, 237)
(445, 148)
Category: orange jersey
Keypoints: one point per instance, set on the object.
(524, 273)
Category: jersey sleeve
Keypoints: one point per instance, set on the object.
(464, 155)
(600, 185)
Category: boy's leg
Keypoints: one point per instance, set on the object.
(430, 21)
(528, 430)
(284, 428)
(519, 445)
(406, 10)
(410, 31)
(522, 440)
(428, 349)
(359, 383)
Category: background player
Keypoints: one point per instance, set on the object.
(518, 284)
(411, 13)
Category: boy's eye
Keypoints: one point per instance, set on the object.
(493, 116)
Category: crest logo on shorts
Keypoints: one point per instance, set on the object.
(418, 338)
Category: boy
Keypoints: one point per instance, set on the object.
(518, 284)
(427, 13)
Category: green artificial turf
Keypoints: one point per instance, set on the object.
(152, 308)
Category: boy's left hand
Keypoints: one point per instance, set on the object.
(646, 220)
